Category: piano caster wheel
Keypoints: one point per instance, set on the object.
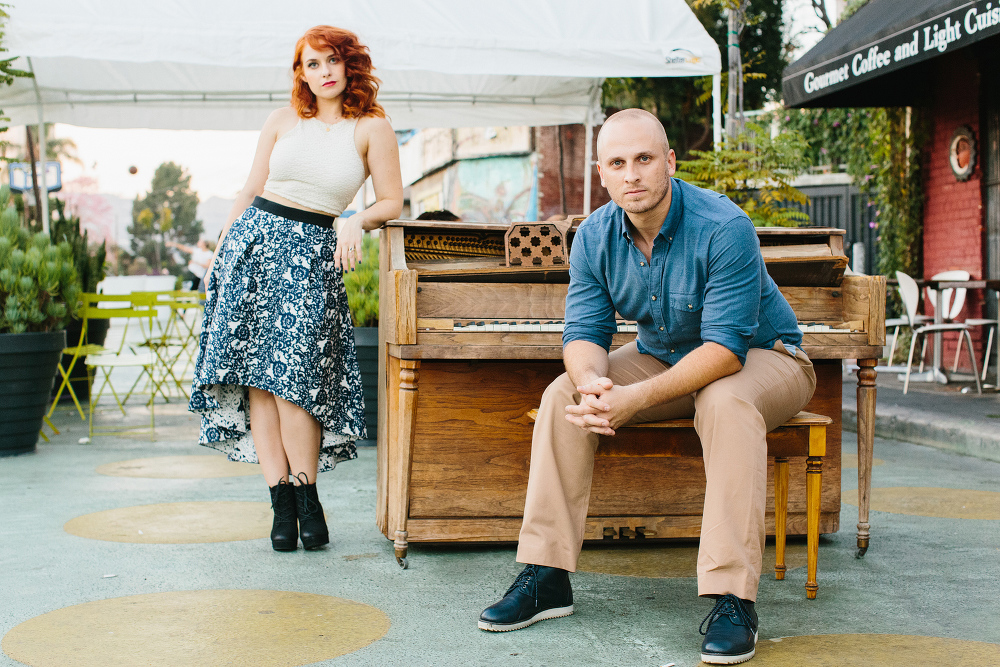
(862, 548)
(402, 562)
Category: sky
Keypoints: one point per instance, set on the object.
(219, 161)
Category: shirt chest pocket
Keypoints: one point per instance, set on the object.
(685, 315)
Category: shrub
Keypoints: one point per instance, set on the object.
(39, 286)
(362, 286)
(88, 258)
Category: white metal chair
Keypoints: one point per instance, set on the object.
(952, 302)
(906, 290)
(979, 322)
(910, 293)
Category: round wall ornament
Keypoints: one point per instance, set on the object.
(962, 152)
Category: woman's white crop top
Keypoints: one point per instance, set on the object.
(317, 165)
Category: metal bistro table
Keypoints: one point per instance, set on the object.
(936, 373)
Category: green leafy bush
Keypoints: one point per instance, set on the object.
(362, 286)
(39, 286)
(755, 172)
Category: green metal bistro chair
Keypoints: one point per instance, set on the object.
(174, 339)
(135, 307)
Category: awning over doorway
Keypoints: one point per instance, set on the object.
(849, 66)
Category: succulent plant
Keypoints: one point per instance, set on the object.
(39, 286)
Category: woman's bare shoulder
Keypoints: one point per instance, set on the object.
(373, 125)
(281, 120)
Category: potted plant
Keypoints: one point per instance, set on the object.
(362, 298)
(38, 290)
(89, 260)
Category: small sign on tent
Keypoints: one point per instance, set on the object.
(20, 176)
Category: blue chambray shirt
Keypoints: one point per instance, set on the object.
(706, 281)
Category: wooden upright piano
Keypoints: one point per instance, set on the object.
(468, 345)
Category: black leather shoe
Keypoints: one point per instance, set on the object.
(538, 593)
(312, 522)
(731, 635)
(285, 529)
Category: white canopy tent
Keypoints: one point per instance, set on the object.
(225, 64)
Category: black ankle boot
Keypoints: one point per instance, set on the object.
(538, 593)
(312, 523)
(285, 529)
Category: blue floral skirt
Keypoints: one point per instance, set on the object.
(276, 318)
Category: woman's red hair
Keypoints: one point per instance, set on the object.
(359, 96)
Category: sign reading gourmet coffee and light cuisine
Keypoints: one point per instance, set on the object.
(948, 30)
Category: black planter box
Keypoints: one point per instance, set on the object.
(27, 371)
(366, 343)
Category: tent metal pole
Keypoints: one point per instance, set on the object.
(717, 112)
(588, 160)
(43, 151)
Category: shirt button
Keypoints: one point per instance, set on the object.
(654, 297)
(661, 328)
(642, 263)
(689, 306)
(671, 238)
(671, 350)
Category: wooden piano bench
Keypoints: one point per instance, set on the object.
(802, 435)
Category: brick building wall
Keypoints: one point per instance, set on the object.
(953, 211)
(547, 146)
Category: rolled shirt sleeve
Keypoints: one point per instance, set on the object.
(590, 314)
(733, 287)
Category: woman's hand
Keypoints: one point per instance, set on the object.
(348, 252)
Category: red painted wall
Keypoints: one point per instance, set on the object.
(573, 141)
(953, 211)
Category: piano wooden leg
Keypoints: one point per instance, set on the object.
(866, 447)
(780, 514)
(405, 419)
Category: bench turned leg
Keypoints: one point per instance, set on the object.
(814, 479)
(814, 467)
(780, 514)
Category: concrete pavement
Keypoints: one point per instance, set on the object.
(930, 574)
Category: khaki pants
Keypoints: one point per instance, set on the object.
(731, 416)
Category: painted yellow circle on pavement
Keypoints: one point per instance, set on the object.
(198, 628)
(934, 501)
(873, 651)
(176, 523)
(666, 561)
(179, 467)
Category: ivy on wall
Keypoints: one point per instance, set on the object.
(880, 149)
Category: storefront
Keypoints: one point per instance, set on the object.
(942, 56)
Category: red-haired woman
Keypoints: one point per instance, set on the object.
(277, 378)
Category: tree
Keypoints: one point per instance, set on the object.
(755, 172)
(819, 6)
(683, 104)
(167, 212)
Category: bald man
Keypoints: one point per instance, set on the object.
(717, 342)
